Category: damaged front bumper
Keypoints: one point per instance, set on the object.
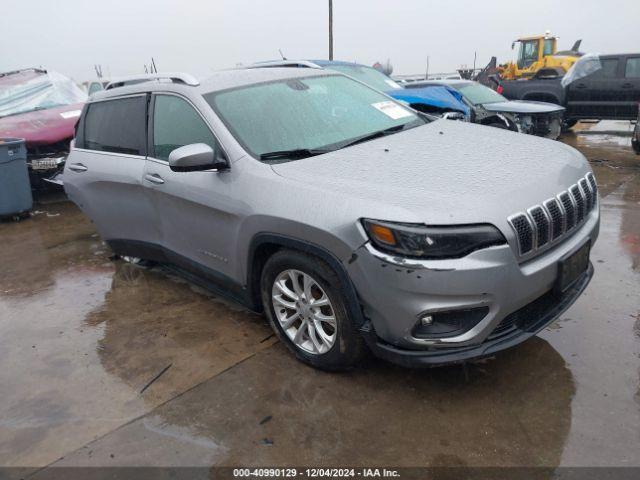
(542, 125)
(46, 170)
(525, 117)
(442, 311)
(512, 330)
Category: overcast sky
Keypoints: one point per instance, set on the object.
(201, 36)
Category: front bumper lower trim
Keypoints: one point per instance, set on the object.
(453, 355)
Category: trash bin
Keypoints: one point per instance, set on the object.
(15, 189)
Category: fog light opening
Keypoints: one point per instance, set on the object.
(426, 320)
(448, 323)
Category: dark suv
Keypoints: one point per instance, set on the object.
(605, 87)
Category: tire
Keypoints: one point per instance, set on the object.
(555, 128)
(567, 125)
(347, 348)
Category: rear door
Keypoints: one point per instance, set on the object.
(598, 95)
(631, 86)
(103, 173)
(197, 212)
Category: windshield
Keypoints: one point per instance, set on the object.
(368, 75)
(528, 53)
(479, 94)
(313, 113)
(31, 90)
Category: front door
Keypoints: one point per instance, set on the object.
(199, 220)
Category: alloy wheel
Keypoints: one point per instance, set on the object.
(304, 311)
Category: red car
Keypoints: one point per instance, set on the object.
(42, 107)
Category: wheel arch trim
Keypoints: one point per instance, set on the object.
(304, 246)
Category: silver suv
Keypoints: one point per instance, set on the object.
(350, 219)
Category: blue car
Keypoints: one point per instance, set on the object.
(456, 99)
(428, 100)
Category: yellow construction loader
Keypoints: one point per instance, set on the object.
(538, 57)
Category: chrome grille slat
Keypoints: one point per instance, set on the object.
(586, 190)
(524, 232)
(556, 216)
(542, 225)
(569, 210)
(594, 186)
(541, 222)
(578, 199)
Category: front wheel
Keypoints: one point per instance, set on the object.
(305, 306)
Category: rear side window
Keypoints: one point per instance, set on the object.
(608, 70)
(176, 124)
(117, 126)
(632, 69)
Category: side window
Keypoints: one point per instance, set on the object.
(94, 87)
(117, 126)
(176, 124)
(632, 69)
(608, 70)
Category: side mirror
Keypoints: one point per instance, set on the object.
(453, 116)
(196, 157)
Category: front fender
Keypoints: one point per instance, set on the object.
(254, 270)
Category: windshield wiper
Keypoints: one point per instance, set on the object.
(295, 153)
(374, 135)
(298, 153)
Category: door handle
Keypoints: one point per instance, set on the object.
(627, 85)
(581, 85)
(153, 178)
(77, 167)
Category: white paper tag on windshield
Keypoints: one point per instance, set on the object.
(71, 114)
(392, 109)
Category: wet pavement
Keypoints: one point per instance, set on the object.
(105, 363)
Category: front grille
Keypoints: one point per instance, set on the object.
(555, 218)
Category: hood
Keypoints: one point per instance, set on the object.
(42, 127)
(436, 96)
(522, 106)
(441, 173)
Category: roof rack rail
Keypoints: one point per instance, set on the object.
(175, 77)
(29, 69)
(284, 63)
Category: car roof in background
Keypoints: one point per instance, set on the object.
(457, 83)
(221, 80)
(319, 63)
(18, 77)
(329, 63)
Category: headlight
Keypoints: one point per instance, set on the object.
(419, 241)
